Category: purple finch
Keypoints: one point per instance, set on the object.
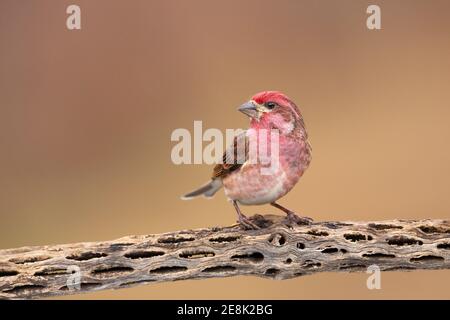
(243, 181)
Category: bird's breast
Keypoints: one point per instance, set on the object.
(255, 184)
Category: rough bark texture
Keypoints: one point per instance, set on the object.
(277, 251)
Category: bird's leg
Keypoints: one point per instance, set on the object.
(291, 216)
(243, 220)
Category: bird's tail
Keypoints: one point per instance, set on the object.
(207, 190)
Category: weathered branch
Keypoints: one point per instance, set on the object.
(277, 251)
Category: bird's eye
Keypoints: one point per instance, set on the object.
(271, 105)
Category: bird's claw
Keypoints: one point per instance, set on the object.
(247, 223)
(292, 218)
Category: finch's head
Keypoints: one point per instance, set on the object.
(274, 109)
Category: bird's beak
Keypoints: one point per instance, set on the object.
(250, 108)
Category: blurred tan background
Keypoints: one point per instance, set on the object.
(86, 118)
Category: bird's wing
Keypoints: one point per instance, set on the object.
(234, 157)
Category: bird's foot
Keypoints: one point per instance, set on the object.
(246, 223)
(293, 218)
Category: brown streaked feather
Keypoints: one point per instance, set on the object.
(231, 160)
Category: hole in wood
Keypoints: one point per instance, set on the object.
(86, 256)
(143, 254)
(220, 269)
(175, 240)
(288, 261)
(318, 233)
(330, 250)
(354, 237)
(272, 272)
(50, 272)
(8, 273)
(89, 285)
(112, 271)
(309, 264)
(403, 241)
(300, 245)
(427, 258)
(84, 286)
(254, 257)
(443, 245)
(277, 239)
(168, 269)
(224, 239)
(378, 226)
(196, 254)
(378, 255)
(433, 229)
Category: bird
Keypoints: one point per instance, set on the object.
(244, 181)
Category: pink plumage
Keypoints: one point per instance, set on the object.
(246, 183)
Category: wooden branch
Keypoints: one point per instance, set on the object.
(277, 251)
